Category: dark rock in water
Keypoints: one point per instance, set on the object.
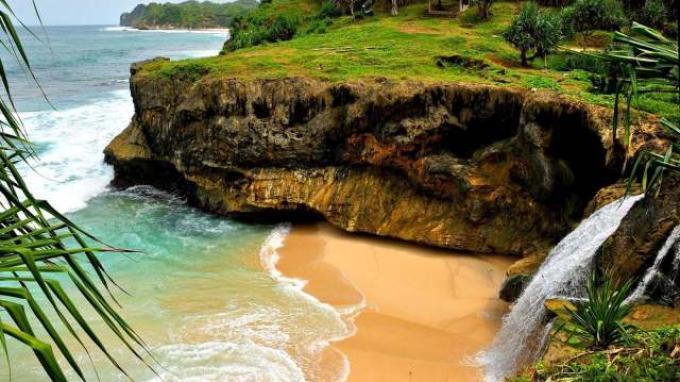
(513, 286)
(468, 167)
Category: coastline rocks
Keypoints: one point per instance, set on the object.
(467, 167)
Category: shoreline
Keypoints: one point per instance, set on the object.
(220, 31)
(419, 314)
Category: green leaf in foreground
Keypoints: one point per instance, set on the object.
(37, 243)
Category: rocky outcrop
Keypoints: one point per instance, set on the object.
(467, 167)
(632, 249)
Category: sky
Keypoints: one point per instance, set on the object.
(78, 12)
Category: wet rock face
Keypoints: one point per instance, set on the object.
(630, 251)
(466, 167)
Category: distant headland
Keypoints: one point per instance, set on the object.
(186, 15)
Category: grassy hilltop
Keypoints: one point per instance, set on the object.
(189, 14)
(410, 46)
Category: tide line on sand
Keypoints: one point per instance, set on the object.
(426, 312)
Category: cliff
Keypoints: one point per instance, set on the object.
(468, 167)
(186, 15)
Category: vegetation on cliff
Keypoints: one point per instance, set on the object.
(408, 46)
(647, 62)
(186, 15)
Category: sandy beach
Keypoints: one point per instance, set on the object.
(426, 311)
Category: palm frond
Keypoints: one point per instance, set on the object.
(597, 320)
(650, 63)
(38, 243)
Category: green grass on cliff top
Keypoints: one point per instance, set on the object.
(406, 47)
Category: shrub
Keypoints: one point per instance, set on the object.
(279, 21)
(257, 28)
(588, 15)
(597, 321)
(319, 26)
(329, 9)
(283, 28)
(533, 33)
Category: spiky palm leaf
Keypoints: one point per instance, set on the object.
(650, 63)
(598, 319)
(39, 247)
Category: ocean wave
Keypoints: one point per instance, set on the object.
(216, 31)
(146, 192)
(70, 169)
(343, 316)
(114, 82)
(117, 29)
(220, 361)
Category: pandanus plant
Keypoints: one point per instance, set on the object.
(650, 65)
(41, 251)
(598, 320)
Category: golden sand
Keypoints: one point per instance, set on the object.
(428, 311)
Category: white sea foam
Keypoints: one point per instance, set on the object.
(117, 29)
(224, 361)
(223, 32)
(282, 341)
(70, 168)
(344, 316)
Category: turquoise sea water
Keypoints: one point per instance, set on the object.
(204, 294)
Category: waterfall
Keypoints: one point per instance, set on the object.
(671, 244)
(564, 273)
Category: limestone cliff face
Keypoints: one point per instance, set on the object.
(467, 167)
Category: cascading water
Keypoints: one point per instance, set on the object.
(670, 248)
(563, 273)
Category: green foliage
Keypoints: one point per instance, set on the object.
(533, 32)
(319, 25)
(538, 82)
(190, 14)
(650, 66)
(279, 20)
(653, 14)
(329, 9)
(470, 17)
(41, 252)
(254, 30)
(189, 72)
(588, 15)
(597, 320)
(646, 356)
(400, 47)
